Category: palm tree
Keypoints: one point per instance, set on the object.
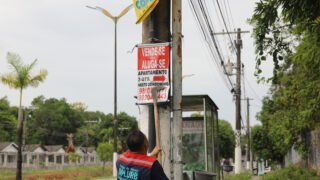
(20, 78)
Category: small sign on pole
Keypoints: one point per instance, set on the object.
(153, 71)
(143, 8)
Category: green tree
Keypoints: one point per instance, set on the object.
(51, 120)
(279, 25)
(75, 158)
(226, 139)
(20, 78)
(289, 31)
(261, 145)
(105, 151)
(126, 125)
(91, 130)
(8, 122)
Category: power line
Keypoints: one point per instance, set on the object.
(225, 25)
(205, 24)
(255, 93)
(203, 30)
(230, 12)
(226, 13)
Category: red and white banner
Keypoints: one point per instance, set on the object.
(153, 71)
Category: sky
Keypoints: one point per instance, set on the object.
(76, 45)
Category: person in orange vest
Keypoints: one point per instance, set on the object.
(135, 164)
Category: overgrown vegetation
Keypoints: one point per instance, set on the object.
(292, 172)
(288, 32)
(241, 176)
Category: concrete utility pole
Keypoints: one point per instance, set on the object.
(156, 29)
(177, 88)
(238, 44)
(237, 153)
(249, 158)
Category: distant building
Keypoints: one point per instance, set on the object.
(8, 154)
(36, 156)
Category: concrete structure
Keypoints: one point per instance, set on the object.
(33, 155)
(8, 154)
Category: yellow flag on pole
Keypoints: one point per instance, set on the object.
(143, 8)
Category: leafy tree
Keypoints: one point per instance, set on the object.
(289, 31)
(20, 78)
(226, 139)
(279, 25)
(74, 157)
(51, 120)
(126, 125)
(105, 151)
(88, 133)
(7, 121)
(106, 135)
(261, 145)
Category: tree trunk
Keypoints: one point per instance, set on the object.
(19, 134)
(104, 164)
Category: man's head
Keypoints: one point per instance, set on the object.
(137, 142)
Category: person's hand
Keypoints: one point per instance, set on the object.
(155, 152)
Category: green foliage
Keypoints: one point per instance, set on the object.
(288, 31)
(51, 120)
(8, 121)
(292, 172)
(226, 139)
(193, 151)
(20, 76)
(280, 23)
(126, 125)
(196, 115)
(105, 151)
(241, 176)
(263, 146)
(196, 166)
(74, 157)
(292, 110)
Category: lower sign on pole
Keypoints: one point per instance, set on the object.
(153, 71)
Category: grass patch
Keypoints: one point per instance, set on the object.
(241, 176)
(80, 173)
(292, 172)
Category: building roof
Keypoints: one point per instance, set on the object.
(4, 145)
(31, 147)
(53, 148)
(196, 102)
(86, 149)
(91, 149)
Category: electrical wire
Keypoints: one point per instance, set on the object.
(230, 12)
(254, 92)
(225, 25)
(206, 25)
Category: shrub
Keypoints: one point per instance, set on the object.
(293, 172)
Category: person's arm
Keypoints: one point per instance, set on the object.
(157, 172)
(155, 152)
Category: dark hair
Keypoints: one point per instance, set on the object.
(135, 141)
